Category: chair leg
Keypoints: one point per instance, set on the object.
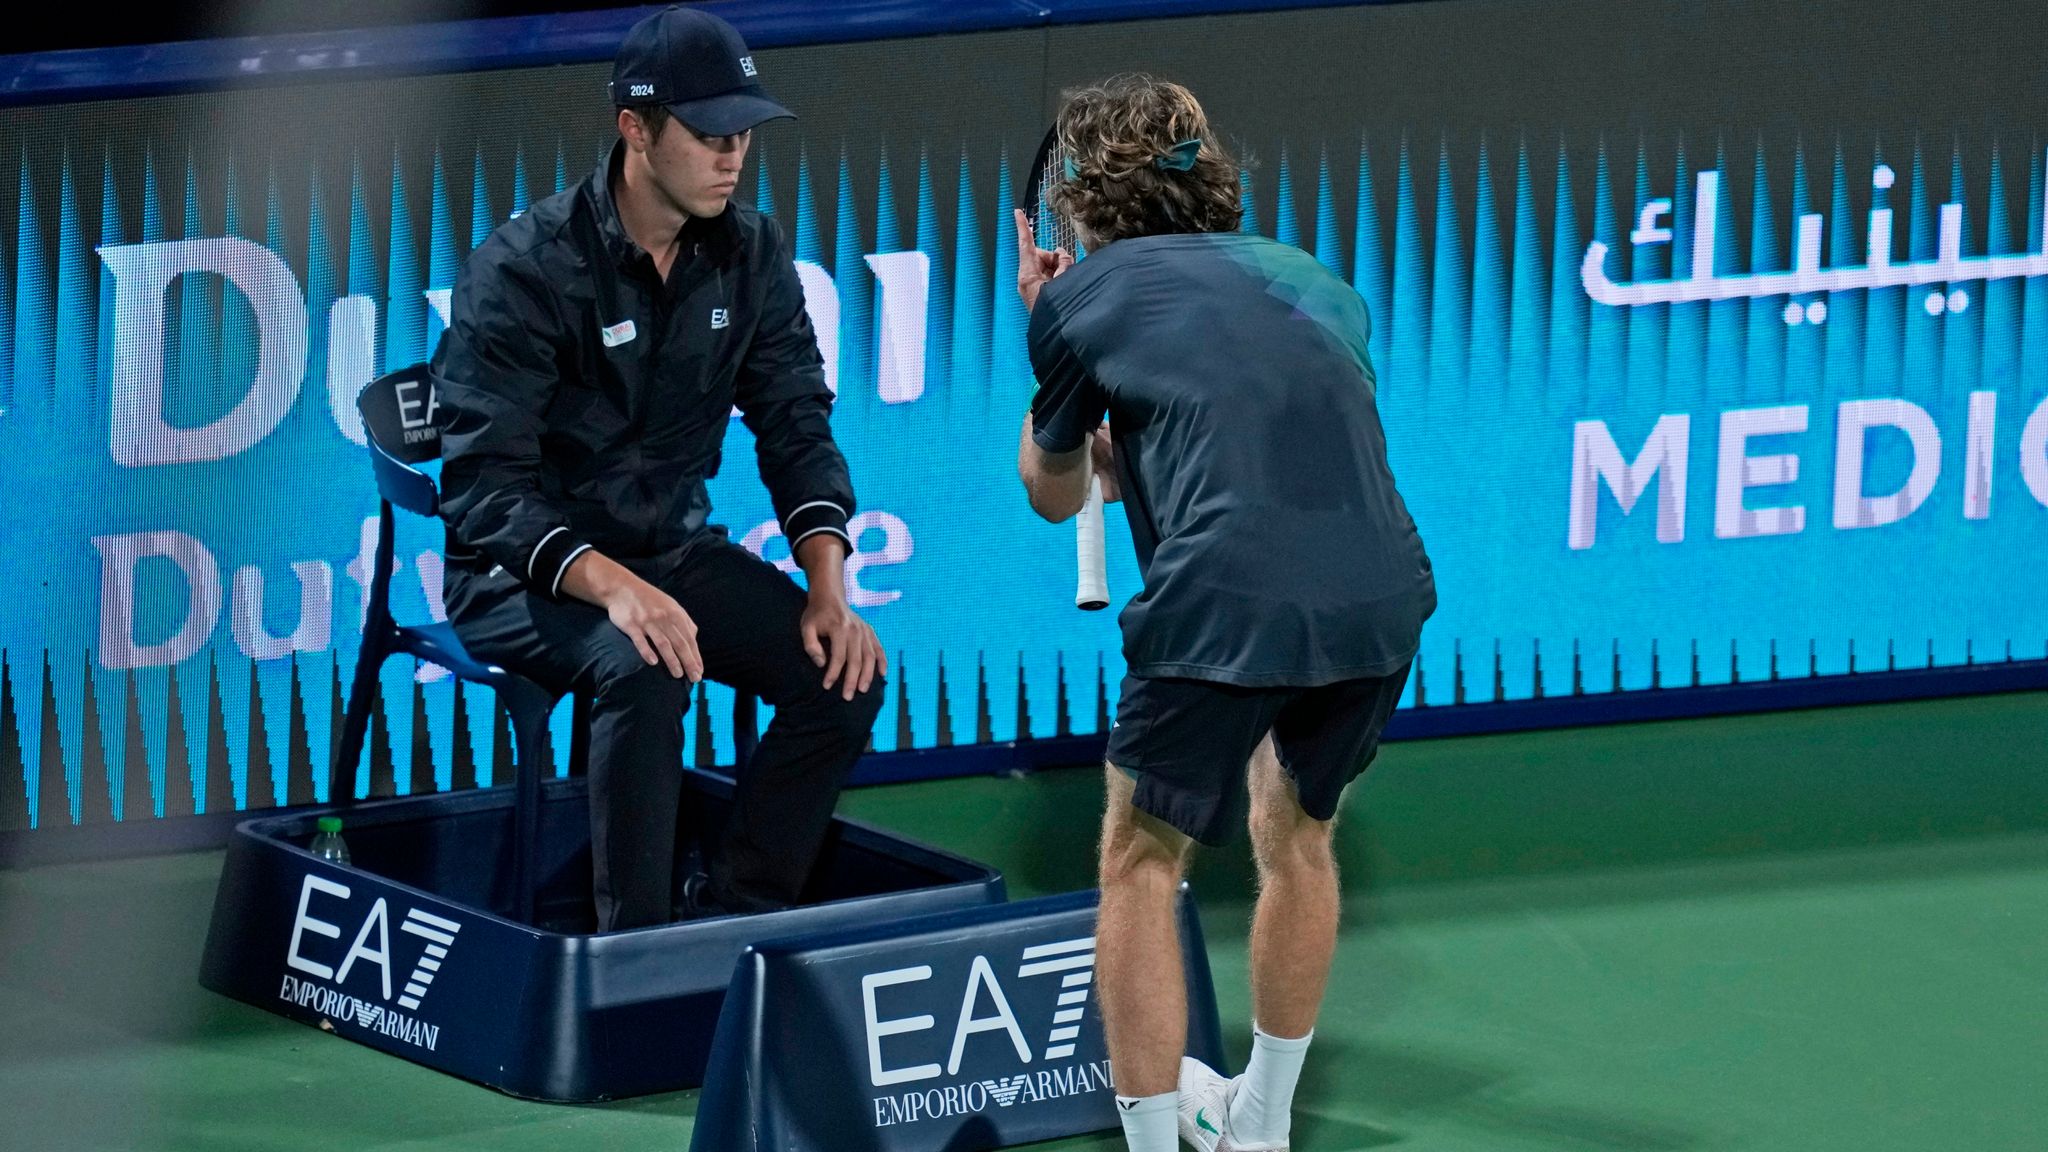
(529, 710)
(355, 722)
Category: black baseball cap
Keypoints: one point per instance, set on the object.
(695, 65)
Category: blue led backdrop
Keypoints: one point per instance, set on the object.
(1677, 394)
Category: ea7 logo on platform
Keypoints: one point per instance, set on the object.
(332, 996)
(1036, 1041)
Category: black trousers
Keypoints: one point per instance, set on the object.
(748, 615)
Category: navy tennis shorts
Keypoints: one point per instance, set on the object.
(1188, 743)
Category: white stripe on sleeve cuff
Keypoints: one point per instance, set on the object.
(556, 588)
(821, 528)
(535, 555)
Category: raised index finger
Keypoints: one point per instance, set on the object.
(1027, 243)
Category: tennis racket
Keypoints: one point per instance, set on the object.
(1055, 233)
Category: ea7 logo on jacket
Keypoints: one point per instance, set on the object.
(371, 948)
(720, 317)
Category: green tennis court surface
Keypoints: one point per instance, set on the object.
(1810, 932)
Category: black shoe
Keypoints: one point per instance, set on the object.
(699, 902)
(702, 900)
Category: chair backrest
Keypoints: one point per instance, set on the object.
(400, 414)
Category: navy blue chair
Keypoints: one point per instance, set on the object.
(396, 412)
(397, 415)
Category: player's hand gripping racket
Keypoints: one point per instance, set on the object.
(1055, 233)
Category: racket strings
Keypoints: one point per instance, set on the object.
(1055, 231)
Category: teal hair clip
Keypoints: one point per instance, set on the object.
(1181, 157)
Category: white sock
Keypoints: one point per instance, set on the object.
(1151, 1123)
(1265, 1093)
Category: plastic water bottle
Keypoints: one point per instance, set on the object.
(328, 844)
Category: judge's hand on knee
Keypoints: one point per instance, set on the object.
(660, 630)
(836, 639)
(842, 644)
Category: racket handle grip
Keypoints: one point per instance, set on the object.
(1091, 590)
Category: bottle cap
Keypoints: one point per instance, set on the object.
(330, 823)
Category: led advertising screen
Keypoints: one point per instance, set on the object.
(1712, 344)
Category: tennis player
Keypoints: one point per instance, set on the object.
(1285, 585)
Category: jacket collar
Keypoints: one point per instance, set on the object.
(719, 235)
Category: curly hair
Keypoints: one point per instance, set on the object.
(1117, 131)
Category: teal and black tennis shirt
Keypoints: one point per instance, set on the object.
(1274, 547)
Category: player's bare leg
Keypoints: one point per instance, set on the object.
(1294, 927)
(1294, 938)
(1138, 962)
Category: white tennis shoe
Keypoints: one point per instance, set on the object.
(1205, 1110)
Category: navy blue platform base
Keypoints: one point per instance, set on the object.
(411, 950)
(961, 1031)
